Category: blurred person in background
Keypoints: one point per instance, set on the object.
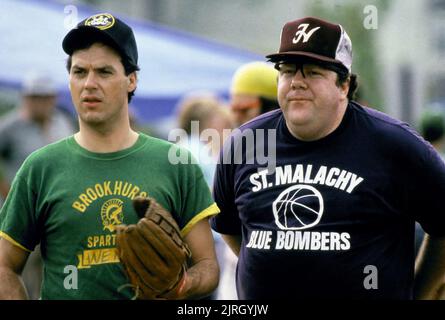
(35, 123)
(195, 114)
(253, 91)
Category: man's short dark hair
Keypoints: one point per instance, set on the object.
(89, 41)
(342, 77)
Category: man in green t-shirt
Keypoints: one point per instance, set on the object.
(71, 195)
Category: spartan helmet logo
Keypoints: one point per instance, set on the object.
(112, 214)
(298, 207)
(302, 33)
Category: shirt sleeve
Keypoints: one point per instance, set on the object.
(197, 202)
(228, 221)
(424, 188)
(17, 219)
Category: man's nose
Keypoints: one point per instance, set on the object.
(298, 80)
(90, 81)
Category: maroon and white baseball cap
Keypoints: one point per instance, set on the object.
(315, 39)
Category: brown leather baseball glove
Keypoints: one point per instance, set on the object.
(153, 252)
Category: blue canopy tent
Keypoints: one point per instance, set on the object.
(172, 63)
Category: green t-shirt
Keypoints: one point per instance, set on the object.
(70, 200)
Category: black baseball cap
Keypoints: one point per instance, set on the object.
(107, 27)
(314, 39)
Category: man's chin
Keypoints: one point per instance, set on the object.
(297, 118)
(92, 120)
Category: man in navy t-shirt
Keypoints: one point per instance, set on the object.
(319, 199)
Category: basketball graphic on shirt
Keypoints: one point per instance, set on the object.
(298, 207)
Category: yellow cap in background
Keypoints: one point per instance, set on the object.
(255, 78)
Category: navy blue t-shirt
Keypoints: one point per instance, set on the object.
(334, 218)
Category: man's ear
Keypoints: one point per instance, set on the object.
(132, 81)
